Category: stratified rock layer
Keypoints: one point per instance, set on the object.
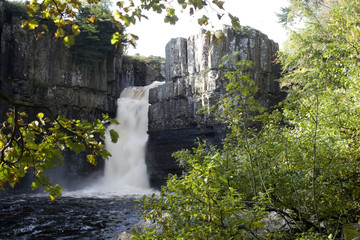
(194, 79)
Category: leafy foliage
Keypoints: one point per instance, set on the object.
(94, 36)
(38, 145)
(64, 13)
(298, 162)
(217, 196)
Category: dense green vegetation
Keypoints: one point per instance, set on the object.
(291, 172)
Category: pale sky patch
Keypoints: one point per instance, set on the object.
(154, 34)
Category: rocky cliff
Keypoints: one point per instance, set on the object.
(194, 79)
(45, 72)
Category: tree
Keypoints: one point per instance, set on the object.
(298, 162)
(95, 38)
(36, 142)
(128, 12)
(211, 199)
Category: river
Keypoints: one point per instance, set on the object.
(98, 214)
(33, 216)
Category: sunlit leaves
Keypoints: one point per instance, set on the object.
(69, 40)
(30, 24)
(203, 20)
(116, 38)
(322, 58)
(92, 19)
(91, 159)
(171, 16)
(75, 29)
(38, 145)
(120, 4)
(235, 22)
(117, 15)
(55, 191)
(64, 13)
(60, 32)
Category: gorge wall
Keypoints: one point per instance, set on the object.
(45, 72)
(194, 79)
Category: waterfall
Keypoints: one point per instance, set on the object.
(126, 170)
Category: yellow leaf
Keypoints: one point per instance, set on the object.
(76, 30)
(69, 40)
(58, 21)
(92, 19)
(116, 37)
(46, 14)
(60, 33)
(33, 24)
(117, 15)
(24, 23)
(52, 198)
(40, 115)
(91, 159)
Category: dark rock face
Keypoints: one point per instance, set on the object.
(45, 72)
(194, 79)
(163, 143)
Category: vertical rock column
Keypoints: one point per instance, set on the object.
(194, 79)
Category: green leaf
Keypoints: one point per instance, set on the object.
(10, 120)
(69, 40)
(235, 22)
(60, 32)
(75, 29)
(116, 37)
(34, 185)
(114, 136)
(55, 191)
(32, 24)
(203, 20)
(219, 4)
(91, 159)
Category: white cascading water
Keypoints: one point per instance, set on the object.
(126, 170)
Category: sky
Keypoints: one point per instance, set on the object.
(154, 34)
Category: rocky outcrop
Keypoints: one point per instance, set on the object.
(194, 79)
(45, 72)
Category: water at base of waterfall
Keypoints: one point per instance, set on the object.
(103, 210)
(80, 217)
